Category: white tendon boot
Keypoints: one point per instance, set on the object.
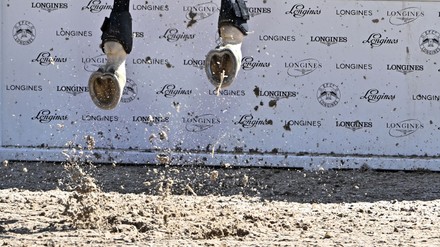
(107, 84)
(223, 63)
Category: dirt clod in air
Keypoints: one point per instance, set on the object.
(214, 176)
(90, 142)
(245, 180)
(163, 136)
(163, 159)
(193, 21)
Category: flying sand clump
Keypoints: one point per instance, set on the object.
(86, 205)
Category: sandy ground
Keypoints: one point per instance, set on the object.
(47, 204)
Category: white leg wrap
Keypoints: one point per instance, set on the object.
(231, 35)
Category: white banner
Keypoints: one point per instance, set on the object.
(322, 84)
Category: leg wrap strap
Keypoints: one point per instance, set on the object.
(234, 12)
(118, 27)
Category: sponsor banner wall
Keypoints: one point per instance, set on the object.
(322, 83)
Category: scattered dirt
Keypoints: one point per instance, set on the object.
(79, 204)
(192, 21)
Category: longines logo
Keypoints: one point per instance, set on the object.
(96, 6)
(151, 61)
(354, 125)
(354, 12)
(405, 68)
(354, 66)
(73, 90)
(376, 40)
(151, 120)
(46, 59)
(299, 11)
(405, 16)
(171, 91)
(328, 40)
(73, 33)
(425, 97)
(173, 35)
(274, 94)
(24, 32)
(45, 116)
(248, 121)
(49, 7)
(254, 11)
(200, 11)
(130, 91)
(328, 95)
(35, 88)
(198, 63)
(302, 67)
(277, 38)
(227, 92)
(99, 118)
(430, 42)
(91, 64)
(374, 96)
(138, 34)
(249, 63)
(199, 123)
(404, 128)
(150, 7)
(288, 124)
